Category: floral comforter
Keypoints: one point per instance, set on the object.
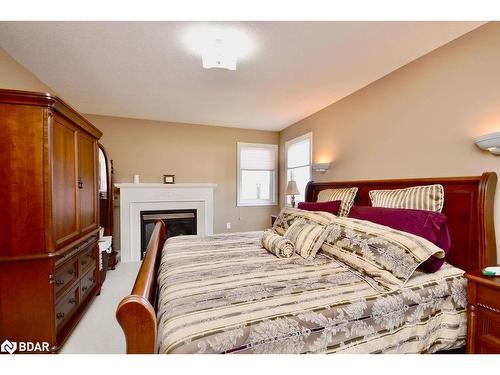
(226, 294)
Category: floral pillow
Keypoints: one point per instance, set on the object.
(386, 257)
(288, 215)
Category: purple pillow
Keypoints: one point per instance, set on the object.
(426, 224)
(331, 206)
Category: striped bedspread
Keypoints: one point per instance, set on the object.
(226, 294)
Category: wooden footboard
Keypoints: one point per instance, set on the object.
(136, 312)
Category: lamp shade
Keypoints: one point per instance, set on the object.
(292, 189)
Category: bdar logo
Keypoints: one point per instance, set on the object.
(9, 347)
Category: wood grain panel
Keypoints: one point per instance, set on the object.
(21, 318)
(21, 180)
(87, 169)
(483, 318)
(64, 177)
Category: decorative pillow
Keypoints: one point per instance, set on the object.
(427, 224)
(346, 195)
(429, 198)
(307, 238)
(288, 215)
(277, 245)
(331, 207)
(385, 257)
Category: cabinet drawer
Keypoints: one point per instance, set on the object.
(87, 283)
(87, 259)
(67, 306)
(488, 297)
(65, 276)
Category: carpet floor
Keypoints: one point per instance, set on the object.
(98, 331)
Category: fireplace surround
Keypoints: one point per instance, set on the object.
(136, 198)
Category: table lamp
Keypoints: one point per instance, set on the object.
(293, 190)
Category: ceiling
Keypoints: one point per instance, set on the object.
(144, 70)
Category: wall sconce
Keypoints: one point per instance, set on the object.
(490, 142)
(321, 167)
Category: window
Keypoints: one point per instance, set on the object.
(257, 166)
(298, 163)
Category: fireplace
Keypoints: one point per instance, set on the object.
(135, 198)
(178, 223)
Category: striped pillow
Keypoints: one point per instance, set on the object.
(429, 198)
(307, 238)
(289, 215)
(277, 245)
(346, 195)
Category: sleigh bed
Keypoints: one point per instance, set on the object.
(225, 294)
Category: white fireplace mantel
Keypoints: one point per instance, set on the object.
(135, 198)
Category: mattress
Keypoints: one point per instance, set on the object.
(226, 294)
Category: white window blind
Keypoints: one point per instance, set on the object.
(257, 166)
(299, 153)
(298, 163)
(258, 158)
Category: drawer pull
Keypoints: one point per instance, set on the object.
(91, 279)
(72, 272)
(72, 300)
(84, 262)
(59, 282)
(60, 315)
(84, 288)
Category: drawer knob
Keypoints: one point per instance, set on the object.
(91, 279)
(60, 315)
(72, 272)
(84, 262)
(59, 282)
(72, 300)
(84, 288)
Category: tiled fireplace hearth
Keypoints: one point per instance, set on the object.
(137, 199)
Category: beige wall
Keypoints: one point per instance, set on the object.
(193, 153)
(418, 121)
(15, 76)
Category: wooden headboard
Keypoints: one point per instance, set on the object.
(468, 205)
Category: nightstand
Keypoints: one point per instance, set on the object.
(483, 313)
(273, 219)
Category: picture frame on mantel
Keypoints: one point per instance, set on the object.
(169, 179)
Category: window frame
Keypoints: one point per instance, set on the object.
(288, 143)
(274, 180)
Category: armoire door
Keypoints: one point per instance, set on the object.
(87, 178)
(63, 162)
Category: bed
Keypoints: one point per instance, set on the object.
(225, 294)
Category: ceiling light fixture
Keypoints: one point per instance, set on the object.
(219, 47)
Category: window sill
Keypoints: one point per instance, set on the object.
(255, 204)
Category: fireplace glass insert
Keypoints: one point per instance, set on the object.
(177, 222)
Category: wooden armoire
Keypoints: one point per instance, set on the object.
(49, 265)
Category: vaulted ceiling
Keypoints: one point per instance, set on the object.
(144, 70)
